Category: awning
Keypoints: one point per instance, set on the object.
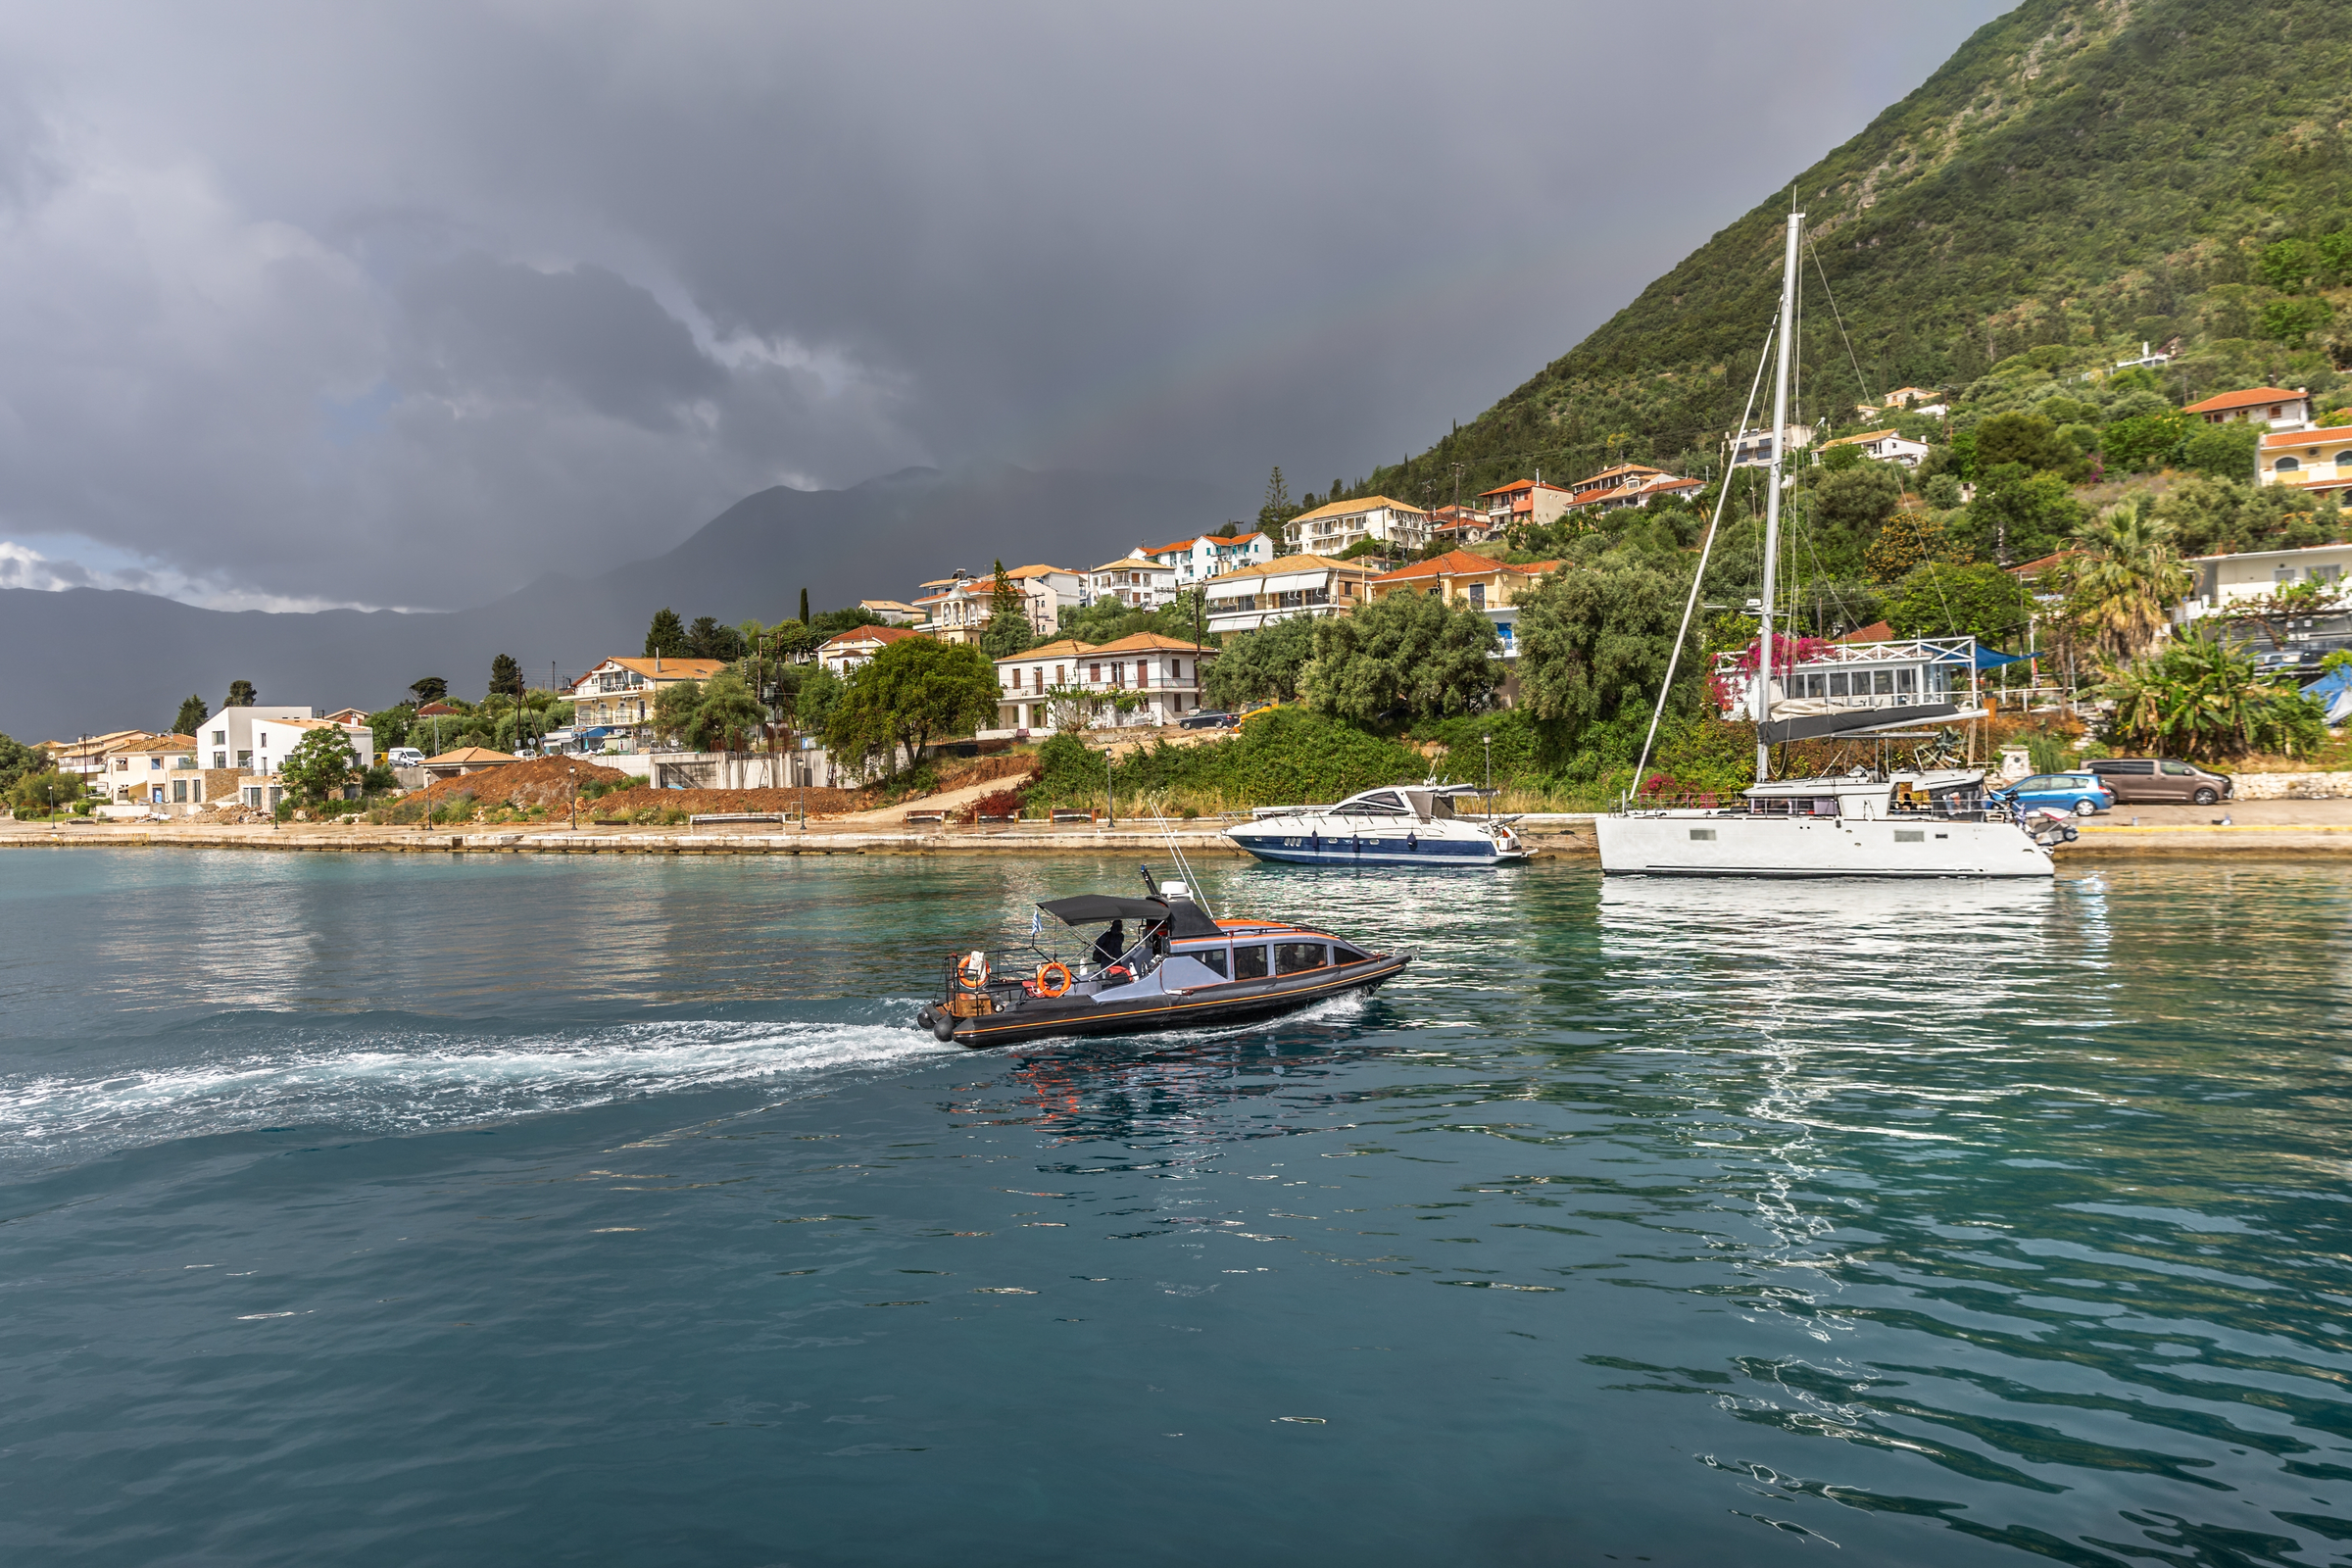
(1093, 909)
(1856, 721)
(1185, 918)
(1993, 658)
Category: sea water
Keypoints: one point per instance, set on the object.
(425, 1209)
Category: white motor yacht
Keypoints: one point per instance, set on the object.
(1402, 825)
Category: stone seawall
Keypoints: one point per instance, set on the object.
(2292, 787)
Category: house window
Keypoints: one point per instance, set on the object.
(179, 791)
(2326, 573)
(220, 737)
(1094, 673)
(2283, 574)
(1057, 680)
(2286, 465)
(1477, 596)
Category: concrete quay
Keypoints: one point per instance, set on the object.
(2277, 827)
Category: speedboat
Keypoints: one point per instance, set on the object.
(1183, 969)
(1910, 824)
(1404, 824)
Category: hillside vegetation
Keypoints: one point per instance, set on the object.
(2082, 176)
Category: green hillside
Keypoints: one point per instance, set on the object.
(2082, 176)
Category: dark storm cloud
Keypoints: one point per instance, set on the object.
(405, 303)
(478, 322)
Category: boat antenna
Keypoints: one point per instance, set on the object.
(1772, 498)
(1706, 548)
(1160, 808)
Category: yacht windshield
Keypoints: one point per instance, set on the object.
(1378, 802)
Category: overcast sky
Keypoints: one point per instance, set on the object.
(402, 304)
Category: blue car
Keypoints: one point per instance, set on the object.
(2079, 793)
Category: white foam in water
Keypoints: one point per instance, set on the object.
(427, 1081)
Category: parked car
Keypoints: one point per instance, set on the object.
(404, 757)
(2079, 792)
(2161, 780)
(1207, 720)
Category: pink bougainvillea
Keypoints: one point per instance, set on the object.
(1787, 652)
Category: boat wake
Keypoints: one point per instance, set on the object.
(412, 1082)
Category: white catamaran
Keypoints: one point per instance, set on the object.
(1922, 821)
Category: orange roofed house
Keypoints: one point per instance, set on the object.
(2273, 405)
(1628, 484)
(859, 644)
(1471, 582)
(2316, 461)
(613, 705)
(1525, 504)
(1073, 685)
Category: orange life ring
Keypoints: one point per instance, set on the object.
(972, 972)
(1057, 968)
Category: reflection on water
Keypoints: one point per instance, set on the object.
(1679, 1222)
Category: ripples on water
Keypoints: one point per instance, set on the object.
(491, 1212)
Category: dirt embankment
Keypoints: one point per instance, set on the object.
(546, 781)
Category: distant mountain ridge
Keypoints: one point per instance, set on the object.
(2080, 175)
(93, 660)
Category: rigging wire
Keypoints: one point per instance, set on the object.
(1822, 272)
(1700, 577)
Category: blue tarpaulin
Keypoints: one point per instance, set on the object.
(2329, 685)
(1994, 659)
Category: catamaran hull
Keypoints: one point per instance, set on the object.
(1816, 847)
(1201, 1008)
(1421, 852)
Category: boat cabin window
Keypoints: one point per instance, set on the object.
(1294, 958)
(1341, 952)
(1250, 963)
(1213, 957)
(1387, 803)
(1441, 806)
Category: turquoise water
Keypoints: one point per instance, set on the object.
(421, 1210)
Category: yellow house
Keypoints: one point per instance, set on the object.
(1471, 582)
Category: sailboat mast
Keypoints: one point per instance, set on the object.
(1772, 498)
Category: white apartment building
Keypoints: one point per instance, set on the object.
(960, 607)
(1073, 685)
(2257, 573)
(1752, 449)
(1284, 588)
(859, 644)
(256, 740)
(1210, 555)
(1136, 581)
(1328, 531)
(1881, 446)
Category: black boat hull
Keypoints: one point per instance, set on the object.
(1201, 1008)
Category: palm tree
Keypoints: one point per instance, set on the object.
(2124, 580)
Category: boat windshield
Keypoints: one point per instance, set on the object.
(1375, 803)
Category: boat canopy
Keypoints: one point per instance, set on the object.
(1185, 918)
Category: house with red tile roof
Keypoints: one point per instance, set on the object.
(1329, 531)
(613, 705)
(1628, 484)
(2273, 405)
(1136, 681)
(1525, 504)
(1881, 446)
(2317, 461)
(1470, 581)
(857, 646)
